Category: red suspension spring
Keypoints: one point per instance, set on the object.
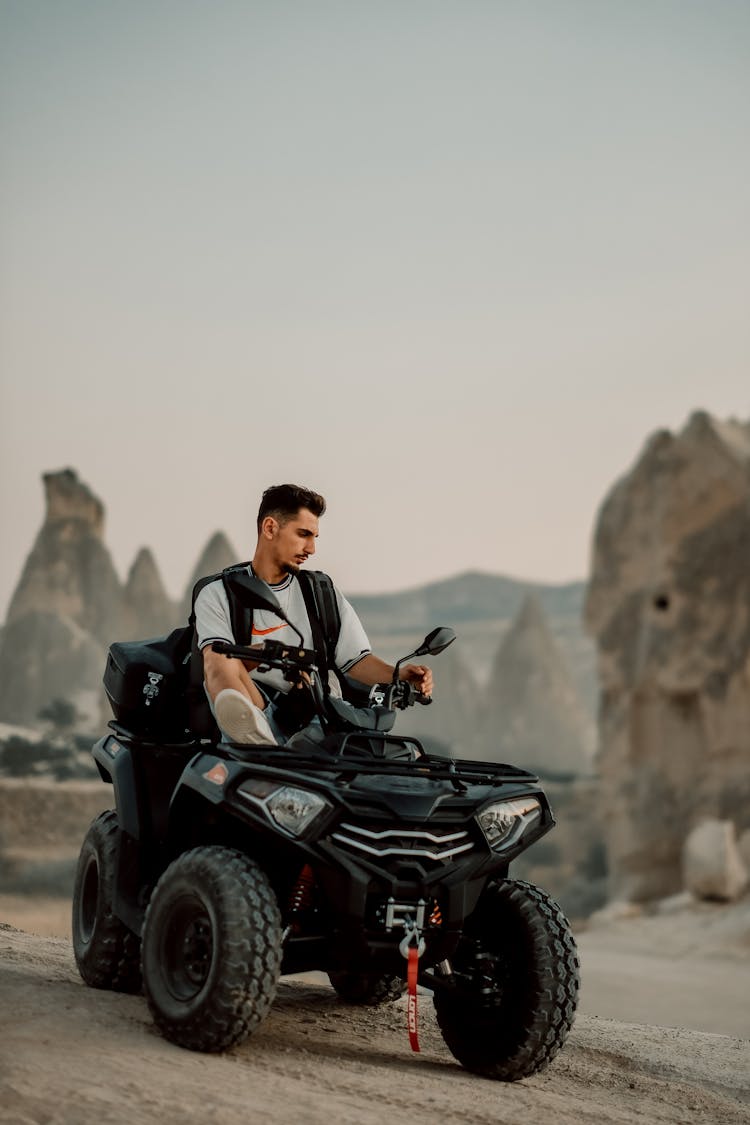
(302, 893)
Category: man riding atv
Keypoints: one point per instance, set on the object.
(336, 846)
(261, 707)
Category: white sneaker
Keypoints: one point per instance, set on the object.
(241, 721)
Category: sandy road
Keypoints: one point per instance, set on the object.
(73, 1056)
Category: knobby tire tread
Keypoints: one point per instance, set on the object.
(522, 1036)
(112, 958)
(248, 957)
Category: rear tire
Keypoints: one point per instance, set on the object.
(107, 953)
(211, 949)
(367, 989)
(517, 976)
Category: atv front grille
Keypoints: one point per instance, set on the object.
(403, 843)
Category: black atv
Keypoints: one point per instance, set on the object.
(349, 850)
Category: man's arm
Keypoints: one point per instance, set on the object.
(372, 670)
(221, 672)
(212, 623)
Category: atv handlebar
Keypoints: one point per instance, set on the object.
(401, 695)
(290, 659)
(293, 662)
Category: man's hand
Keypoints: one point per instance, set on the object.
(372, 670)
(419, 675)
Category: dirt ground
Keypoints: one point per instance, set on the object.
(689, 967)
(663, 1032)
(71, 1055)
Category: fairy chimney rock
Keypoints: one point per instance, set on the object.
(669, 607)
(66, 608)
(447, 726)
(70, 500)
(148, 609)
(217, 554)
(69, 571)
(534, 717)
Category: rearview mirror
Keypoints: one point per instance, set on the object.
(436, 641)
(254, 594)
(433, 643)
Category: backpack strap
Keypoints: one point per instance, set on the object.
(241, 620)
(323, 612)
(240, 617)
(240, 614)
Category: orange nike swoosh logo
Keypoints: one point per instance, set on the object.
(265, 632)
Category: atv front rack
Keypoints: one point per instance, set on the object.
(460, 773)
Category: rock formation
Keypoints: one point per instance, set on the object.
(448, 724)
(69, 572)
(45, 656)
(669, 607)
(217, 554)
(712, 866)
(69, 606)
(534, 717)
(147, 610)
(65, 610)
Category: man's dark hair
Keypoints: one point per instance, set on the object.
(283, 501)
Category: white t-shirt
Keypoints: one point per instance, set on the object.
(213, 623)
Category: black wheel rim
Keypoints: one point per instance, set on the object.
(88, 900)
(486, 972)
(187, 948)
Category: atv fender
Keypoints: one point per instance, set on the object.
(115, 761)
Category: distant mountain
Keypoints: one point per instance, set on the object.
(472, 596)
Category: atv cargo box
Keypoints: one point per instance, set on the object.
(146, 683)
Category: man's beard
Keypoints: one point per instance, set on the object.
(290, 568)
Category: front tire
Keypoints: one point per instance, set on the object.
(517, 977)
(367, 989)
(211, 949)
(107, 953)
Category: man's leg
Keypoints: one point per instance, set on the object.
(236, 701)
(312, 733)
(241, 721)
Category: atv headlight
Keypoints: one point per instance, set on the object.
(506, 821)
(295, 809)
(291, 808)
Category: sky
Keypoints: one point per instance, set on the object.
(448, 263)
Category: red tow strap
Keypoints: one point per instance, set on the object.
(411, 1007)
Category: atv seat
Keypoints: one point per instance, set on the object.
(347, 717)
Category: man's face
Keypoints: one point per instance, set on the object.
(294, 541)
